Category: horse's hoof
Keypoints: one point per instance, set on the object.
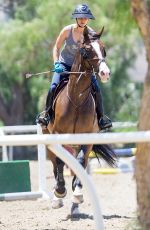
(77, 199)
(57, 204)
(77, 196)
(60, 195)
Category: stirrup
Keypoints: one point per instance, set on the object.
(105, 123)
(43, 119)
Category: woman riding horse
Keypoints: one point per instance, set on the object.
(74, 105)
(72, 35)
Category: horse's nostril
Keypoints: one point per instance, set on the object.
(102, 73)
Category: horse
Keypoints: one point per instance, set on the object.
(75, 112)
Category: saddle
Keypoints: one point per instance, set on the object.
(58, 90)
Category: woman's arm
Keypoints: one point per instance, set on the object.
(59, 42)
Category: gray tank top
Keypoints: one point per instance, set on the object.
(69, 50)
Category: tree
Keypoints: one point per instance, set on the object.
(24, 47)
(21, 48)
(141, 12)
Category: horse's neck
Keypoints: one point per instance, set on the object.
(79, 84)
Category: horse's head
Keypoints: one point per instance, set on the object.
(93, 53)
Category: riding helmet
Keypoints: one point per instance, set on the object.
(82, 11)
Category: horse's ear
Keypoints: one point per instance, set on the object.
(102, 47)
(96, 36)
(100, 33)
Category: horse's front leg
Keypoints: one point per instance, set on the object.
(56, 202)
(60, 190)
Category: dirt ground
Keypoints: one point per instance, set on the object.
(117, 196)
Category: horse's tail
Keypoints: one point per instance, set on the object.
(107, 153)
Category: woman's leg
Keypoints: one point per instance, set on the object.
(57, 77)
(99, 99)
(49, 99)
(103, 121)
(45, 117)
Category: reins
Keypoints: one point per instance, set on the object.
(28, 75)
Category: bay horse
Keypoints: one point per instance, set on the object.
(75, 112)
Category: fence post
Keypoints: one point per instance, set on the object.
(41, 162)
(10, 153)
(4, 149)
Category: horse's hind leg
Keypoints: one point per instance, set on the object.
(76, 183)
(82, 158)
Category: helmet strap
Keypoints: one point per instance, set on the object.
(79, 25)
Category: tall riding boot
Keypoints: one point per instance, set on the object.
(46, 115)
(103, 121)
(49, 101)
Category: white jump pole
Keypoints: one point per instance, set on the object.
(41, 164)
(20, 196)
(19, 129)
(91, 138)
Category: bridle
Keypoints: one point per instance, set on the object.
(86, 55)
